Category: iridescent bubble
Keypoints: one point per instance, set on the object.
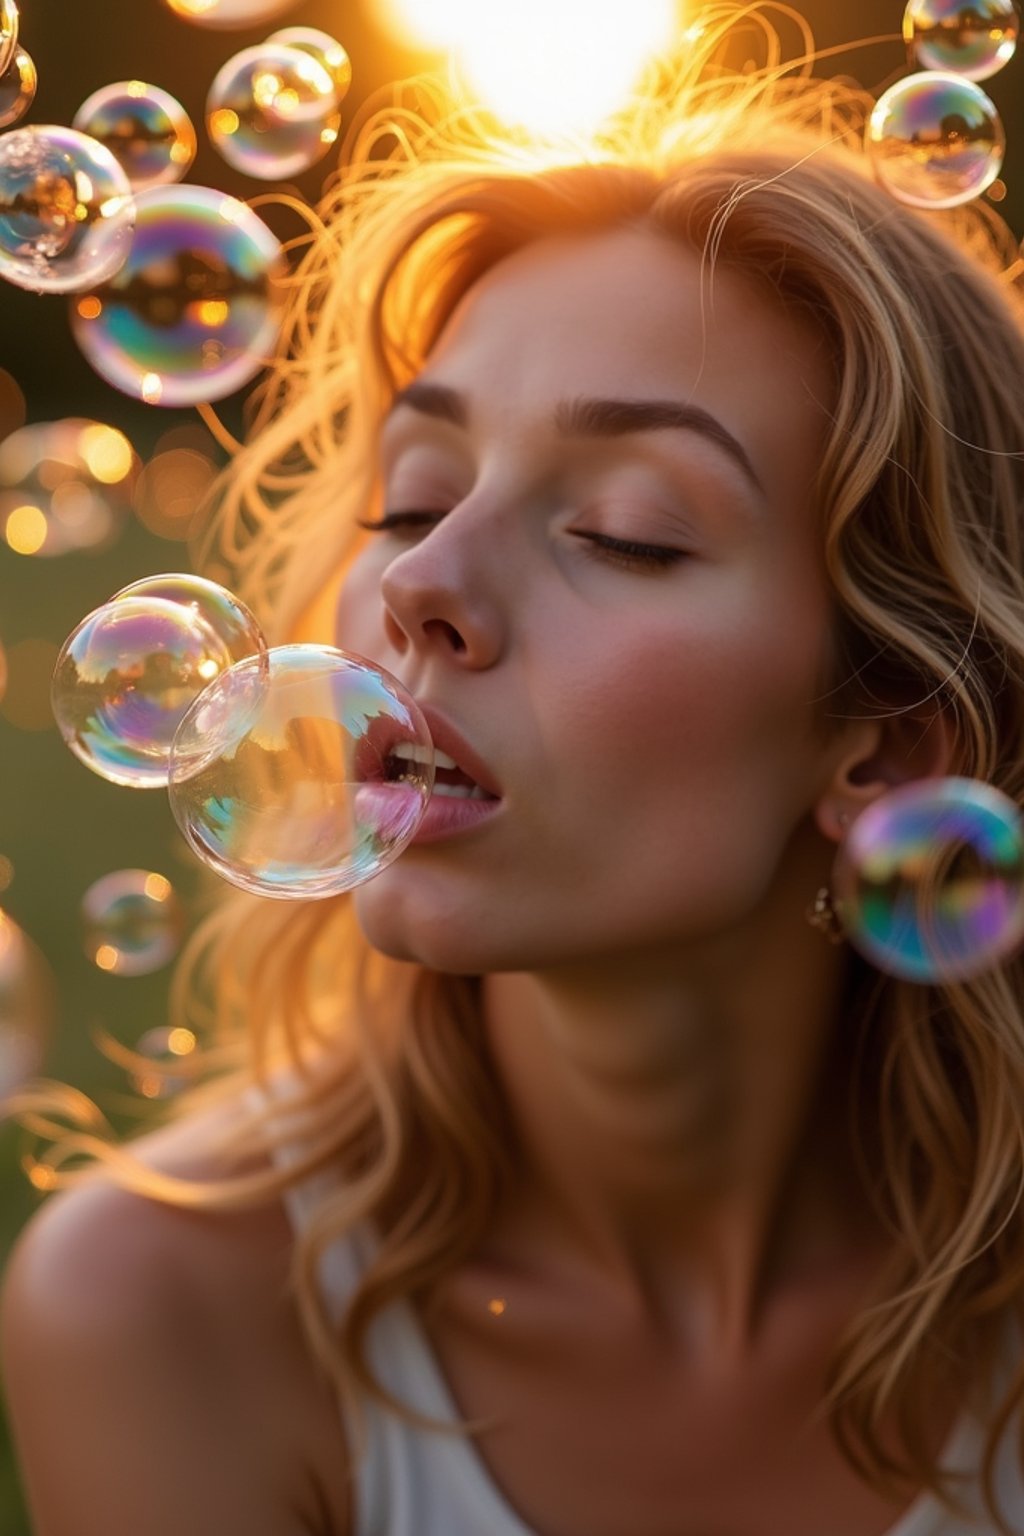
(66, 210)
(272, 111)
(226, 14)
(8, 32)
(196, 309)
(145, 129)
(166, 1071)
(132, 922)
(27, 997)
(124, 680)
(324, 48)
(973, 40)
(17, 88)
(301, 782)
(929, 884)
(65, 486)
(207, 603)
(935, 140)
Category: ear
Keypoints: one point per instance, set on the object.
(875, 755)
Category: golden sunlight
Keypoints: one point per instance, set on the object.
(553, 66)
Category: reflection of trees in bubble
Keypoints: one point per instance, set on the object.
(165, 291)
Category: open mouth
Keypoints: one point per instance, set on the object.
(399, 767)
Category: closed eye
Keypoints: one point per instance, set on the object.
(602, 546)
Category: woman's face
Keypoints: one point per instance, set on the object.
(649, 715)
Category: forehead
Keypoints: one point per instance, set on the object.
(630, 312)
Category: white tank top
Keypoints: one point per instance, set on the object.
(412, 1481)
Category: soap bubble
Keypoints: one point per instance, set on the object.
(281, 782)
(929, 883)
(8, 32)
(133, 922)
(226, 615)
(973, 40)
(27, 1005)
(123, 681)
(324, 48)
(145, 129)
(66, 210)
(17, 88)
(272, 111)
(935, 140)
(170, 1053)
(196, 309)
(226, 14)
(65, 485)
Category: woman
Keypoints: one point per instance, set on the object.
(681, 486)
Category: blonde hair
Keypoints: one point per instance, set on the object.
(761, 170)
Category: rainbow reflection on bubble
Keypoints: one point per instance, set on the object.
(195, 311)
(205, 601)
(284, 783)
(272, 111)
(145, 128)
(8, 32)
(929, 883)
(324, 48)
(123, 681)
(66, 210)
(226, 14)
(132, 922)
(17, 88)
(935, 140)
(973, 40)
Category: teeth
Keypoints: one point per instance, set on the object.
(414, 754)
(460, 791)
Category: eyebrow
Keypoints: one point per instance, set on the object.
(593, 416)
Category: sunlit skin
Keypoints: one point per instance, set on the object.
(673, 779)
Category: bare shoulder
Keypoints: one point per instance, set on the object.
(138, 1338)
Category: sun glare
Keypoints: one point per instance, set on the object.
(550, 65)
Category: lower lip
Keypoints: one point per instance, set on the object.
(447, 815)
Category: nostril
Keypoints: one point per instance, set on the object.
(441, 629)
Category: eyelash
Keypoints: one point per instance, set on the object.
(600, 545)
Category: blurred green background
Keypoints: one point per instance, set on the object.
(62, 827)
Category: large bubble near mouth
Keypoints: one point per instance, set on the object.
(304, 779)
(929, 884)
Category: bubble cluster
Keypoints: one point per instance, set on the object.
(973, 40)
(17, 88)
(272, 111)
(300, 781)
(324, 48)
(929, 883)
(195, 311)
(65, 486)
(132, 922)
(227, 14)
(935, 140)
(26, 1006)
(8, 32)
(146, 130)
(128, 673)
(66, 210)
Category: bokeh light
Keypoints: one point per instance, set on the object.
(196, 309)
(133, 922)
(228, 14)
(65, 486)
(973, 40)
(170, 1052)
(272, 111)
(27, 1006)
(553, 68)
(66, 210)
(324, 48)
(929, 882)
(299, 782)
(17, 88)
(170, 490)
(935, 140)
(145, 128)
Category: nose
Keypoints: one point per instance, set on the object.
(441, 598)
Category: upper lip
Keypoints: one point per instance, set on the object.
(386, 733)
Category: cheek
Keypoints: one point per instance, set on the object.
(358, 613)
